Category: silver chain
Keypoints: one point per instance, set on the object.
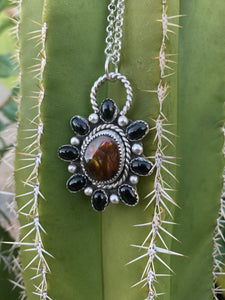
(113, 47)
(114, 30)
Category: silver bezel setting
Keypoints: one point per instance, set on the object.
(124, 149)
(74, 160)
(143, 159)
(125, 175)
(84, 120)
(147, 131)
(98, 190)
(135, 192)
(74, 192)
(114, 115)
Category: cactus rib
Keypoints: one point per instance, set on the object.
(12, 259)
(160, 194)
(217, 239)
(32, 180)
(30, 158)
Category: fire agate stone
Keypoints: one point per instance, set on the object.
(102, 158)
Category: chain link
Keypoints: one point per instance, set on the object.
(113, 46)
(114, 31)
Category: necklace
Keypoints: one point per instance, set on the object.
(106, 155)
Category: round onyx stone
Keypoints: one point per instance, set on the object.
(68, 153)
(80, 125)
(141, 166)
(137, 130)
(102, 158)
(76, 183)
(128, 195)
(108, 110)
(99, 200)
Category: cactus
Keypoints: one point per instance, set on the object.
(6, 266)
(68, 251)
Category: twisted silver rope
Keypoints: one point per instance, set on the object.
(113, 47)
(112, 76)
(126, 168)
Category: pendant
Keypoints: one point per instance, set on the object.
(106, 156)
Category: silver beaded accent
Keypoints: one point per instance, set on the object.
(88, 191)
(72, 168)
(133, 179)
(93, 118)
(137, 149)
(114, 199)
(122, 121)
(74, 141)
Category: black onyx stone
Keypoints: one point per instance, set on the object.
(80, 125)
(68, 153)
(141, 166)
(128, 195)
(99, 200)
(108, 110)
(137, 130)
(76, 182)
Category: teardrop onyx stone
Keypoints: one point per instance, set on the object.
(80, 125)
(108, 110)
(137, 130)
(76, 182)
(99, 200)
(68, 153)
(141, 166)
(128, 195)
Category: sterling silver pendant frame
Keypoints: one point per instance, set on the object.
(106, 154)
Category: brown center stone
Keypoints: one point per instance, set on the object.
(102, 158)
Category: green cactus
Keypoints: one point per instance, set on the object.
(6, 272)
(180, 93)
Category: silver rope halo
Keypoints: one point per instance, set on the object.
(112, 76)
(125, 165)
